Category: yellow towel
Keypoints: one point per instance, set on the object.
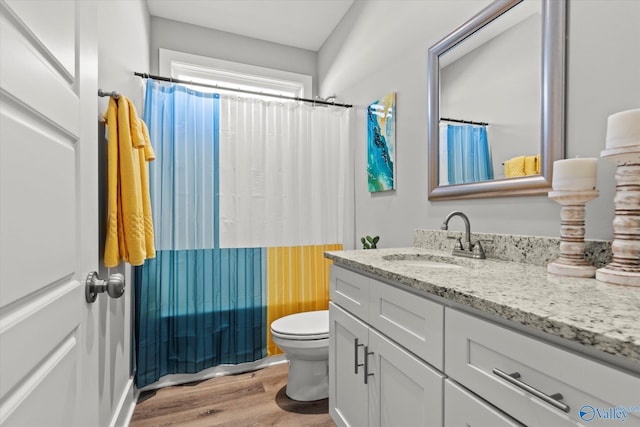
(129, 223)
(522, 166)
(531, 165)
(149, 156)
(514, 167)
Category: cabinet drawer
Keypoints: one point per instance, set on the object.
(350, 291)
(413, 322)
(485, 357)
(464, 409)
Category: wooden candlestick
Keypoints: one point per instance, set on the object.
(571, 261)
(624, 268)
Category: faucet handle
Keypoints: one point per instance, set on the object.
(478, 250)
(458, 244)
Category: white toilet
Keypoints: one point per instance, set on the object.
(304, 338)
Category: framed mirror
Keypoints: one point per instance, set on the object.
(496, 102)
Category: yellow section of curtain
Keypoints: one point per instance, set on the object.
(298, 281)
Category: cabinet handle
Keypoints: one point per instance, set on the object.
(355, 354)
(553, 399)
(367, 353)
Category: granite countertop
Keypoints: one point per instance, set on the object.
(595, 314)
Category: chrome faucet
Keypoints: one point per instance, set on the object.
(469, 250)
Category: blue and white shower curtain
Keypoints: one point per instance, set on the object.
(466, 154)
(240, 187)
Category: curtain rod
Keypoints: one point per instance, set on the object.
(187, 82)
(464, 121)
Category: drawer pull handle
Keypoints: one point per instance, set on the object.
(367, 353)
(355, 354)
(550, 399)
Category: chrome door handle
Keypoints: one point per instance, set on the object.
(355, 354)
(367, 353)
(552, 400)
(113, 286)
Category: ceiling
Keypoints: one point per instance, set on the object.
(300, 23)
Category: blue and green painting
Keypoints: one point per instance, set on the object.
(381, 135)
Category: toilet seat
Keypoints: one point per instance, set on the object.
(311, 325)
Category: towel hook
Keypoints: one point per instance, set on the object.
(112, 94)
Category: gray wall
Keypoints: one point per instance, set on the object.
(381, 46)
(196, 40)
(123, 47)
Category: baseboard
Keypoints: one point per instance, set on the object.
(126, 406)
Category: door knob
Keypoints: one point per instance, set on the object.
(113, 286)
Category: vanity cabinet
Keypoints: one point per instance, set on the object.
(398, 358)
(375, 380)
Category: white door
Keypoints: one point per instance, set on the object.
(48, 212)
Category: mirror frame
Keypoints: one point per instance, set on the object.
(552, 105)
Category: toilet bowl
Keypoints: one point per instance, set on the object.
(304, 338)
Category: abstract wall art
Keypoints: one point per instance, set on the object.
(381, 142)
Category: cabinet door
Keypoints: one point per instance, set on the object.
(348, 338)
(464, 409)
(403, 390)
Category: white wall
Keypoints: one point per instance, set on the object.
(197, 40)
(124, 40)
(381, 47)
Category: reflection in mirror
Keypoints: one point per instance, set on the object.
(508, 103)
(496, 102)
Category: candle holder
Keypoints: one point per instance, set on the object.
(624, 268)
(572, 261)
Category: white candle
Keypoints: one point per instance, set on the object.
(574, 174)
(623, 129)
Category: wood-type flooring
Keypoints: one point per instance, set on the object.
(251, 399)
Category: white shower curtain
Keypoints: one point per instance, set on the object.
(283, 173)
